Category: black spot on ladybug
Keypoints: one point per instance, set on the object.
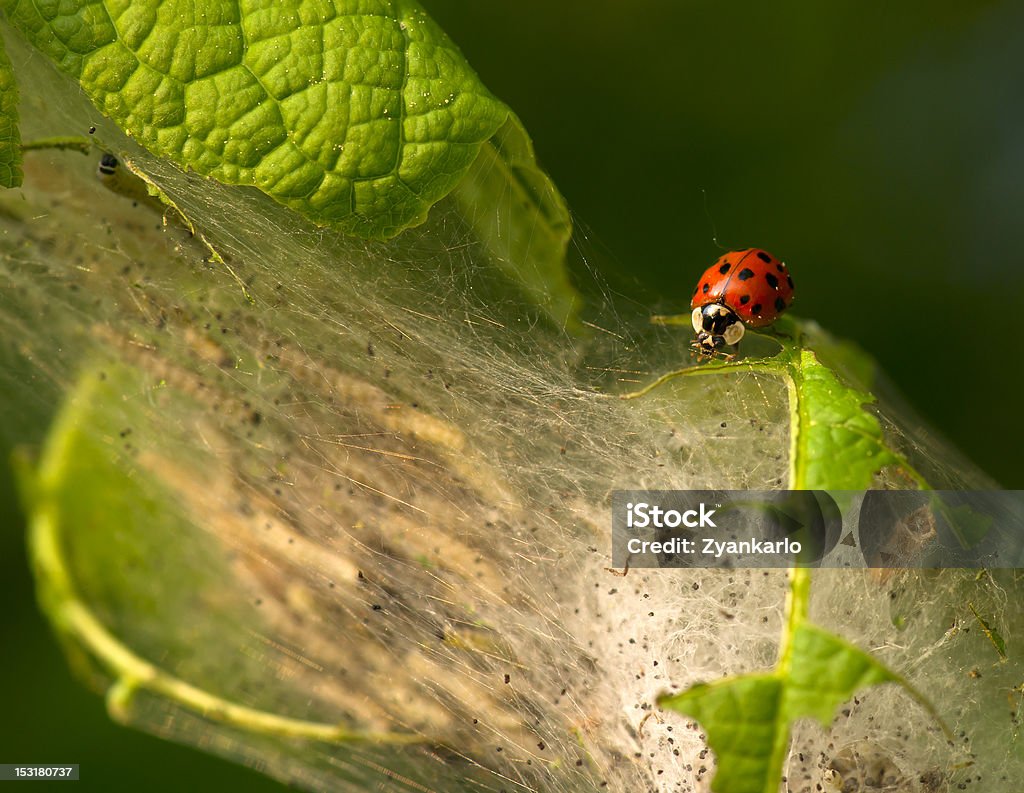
(781, 268)
(744, 300)
(706, 288)
(746, 273)
(780, 304)
(764, 257)
(789, 280)
(756, 310)
(773, 282)
(724, 268)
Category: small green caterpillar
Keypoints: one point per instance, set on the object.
(114, 176)
(123, 178)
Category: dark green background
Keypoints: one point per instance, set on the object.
(877, 148)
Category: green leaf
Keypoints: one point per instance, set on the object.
(839, 444)
(836, 442)
(825, 671)
(851, 364)
(748, 719)
(10, 138)
(360, 117)
(741, 719)
(87, 500)
(103, 518)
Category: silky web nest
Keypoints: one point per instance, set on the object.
(340, 510)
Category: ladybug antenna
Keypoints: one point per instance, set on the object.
(711, 220)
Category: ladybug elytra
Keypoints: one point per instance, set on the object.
(748, 287)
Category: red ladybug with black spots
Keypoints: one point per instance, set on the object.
(748, 287)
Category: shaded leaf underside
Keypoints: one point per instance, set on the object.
(10, 140)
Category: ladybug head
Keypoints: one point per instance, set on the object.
(716, 325)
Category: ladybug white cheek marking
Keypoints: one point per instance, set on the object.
(697, 320)
(733, 333)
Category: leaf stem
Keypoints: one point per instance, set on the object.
(62, 143)
(697, 371)
(798, 600)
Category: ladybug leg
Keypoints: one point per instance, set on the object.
(725, 356)
(696, 348)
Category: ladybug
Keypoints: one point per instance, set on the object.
(748, 287)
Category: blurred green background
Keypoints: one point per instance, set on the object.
(877, 148)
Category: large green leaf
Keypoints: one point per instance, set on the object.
(94, 508)
(360, 115)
